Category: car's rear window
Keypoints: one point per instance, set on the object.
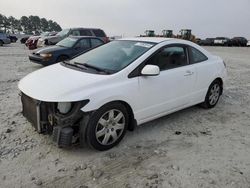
(99, 33)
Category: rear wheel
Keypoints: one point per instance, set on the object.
(1, 43)
(213, 94)
(107, 126)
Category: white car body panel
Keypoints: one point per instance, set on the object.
(149, 97)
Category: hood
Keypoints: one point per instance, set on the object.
(57, 83)
(49, 49)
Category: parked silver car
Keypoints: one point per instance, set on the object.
(52, 40)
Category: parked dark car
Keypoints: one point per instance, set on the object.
(239, 41)
(52, 40)
(4, 39)
(65, 49)
(12, 38)
(222, 41)
(207, 42)
(31, 43)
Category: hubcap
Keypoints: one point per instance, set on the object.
(214, 94)
(110, 127)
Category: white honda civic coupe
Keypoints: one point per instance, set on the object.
(96, 97)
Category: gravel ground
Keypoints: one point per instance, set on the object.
(191, 148)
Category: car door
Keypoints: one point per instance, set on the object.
(206, 70)
(81, 46)
(170, 90)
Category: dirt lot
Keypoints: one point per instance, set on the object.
(192, 148)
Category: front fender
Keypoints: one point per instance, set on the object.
(97, 103)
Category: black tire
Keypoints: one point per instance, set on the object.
(209, 103)
(94, 125)
(1, 43)
(62, 58)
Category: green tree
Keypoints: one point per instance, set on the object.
(31, 24)
(44, 24)
(4, 23)
(35, 23)
(13, 23)
(25, 25)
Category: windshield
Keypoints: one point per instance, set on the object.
(63, 32)
(113, 56)
(68, 42)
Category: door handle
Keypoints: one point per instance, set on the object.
(189, 73)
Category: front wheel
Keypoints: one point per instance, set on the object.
(213, 95)
(107, 126)
(1, 43)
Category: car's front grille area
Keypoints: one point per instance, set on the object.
(30, 110)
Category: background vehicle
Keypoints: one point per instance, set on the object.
(51, 40)
(149, 33)
(4, 39)
(186, 34)
(222, 41)
(168, 34)
(206, 42)
(12, 38)
(248, 44)
(24, 39)
(239, 41)
(65, 49)
(98, 95)
(31, 43)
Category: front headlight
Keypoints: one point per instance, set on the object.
(64, 107)
(46, 55)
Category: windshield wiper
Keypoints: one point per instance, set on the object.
(61, 46)
(93, 67)
(67, 62)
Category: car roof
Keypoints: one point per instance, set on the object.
(149, 39)
(79, 28)
(81, 37)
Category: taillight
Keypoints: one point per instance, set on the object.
(106, 39)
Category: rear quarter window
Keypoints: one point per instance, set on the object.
(99, 33)
(197, 56)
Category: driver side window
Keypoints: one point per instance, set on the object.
(75, 33)
(169, 58)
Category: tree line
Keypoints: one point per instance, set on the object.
(27, 25)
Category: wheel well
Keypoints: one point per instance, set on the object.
(221, 83)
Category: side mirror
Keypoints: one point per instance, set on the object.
(150, 70)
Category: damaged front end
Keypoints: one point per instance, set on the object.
(54, 119)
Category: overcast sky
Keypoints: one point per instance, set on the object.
(207, 18)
